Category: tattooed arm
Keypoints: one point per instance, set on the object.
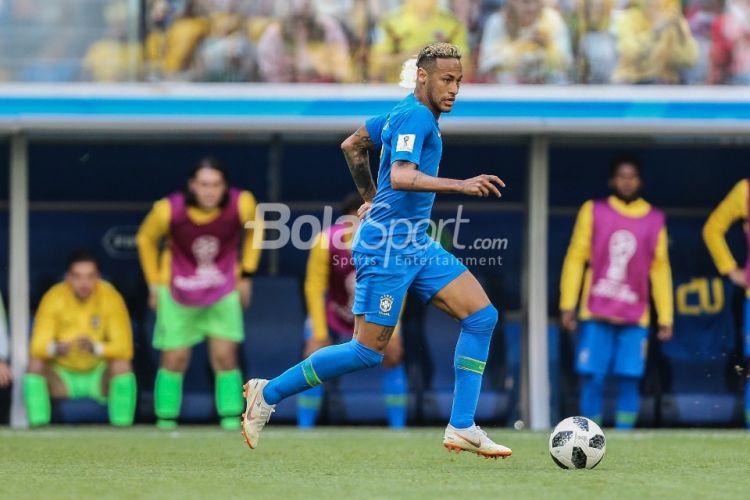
(356, 151)
(406, 177)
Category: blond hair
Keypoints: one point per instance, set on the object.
(437, 50)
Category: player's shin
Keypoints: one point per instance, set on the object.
(167, 397)
(229, 400)
(469, 361)
(121, 399)
(394, 390)
(308, 407)
(36, 398)
(592, 394)
(628, 402)
(325, 364)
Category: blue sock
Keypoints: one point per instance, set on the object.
(308, 407)
(592, 396)
(394, 389)
(472, 349)
(325, 364)
(628, 402)
(747, 402)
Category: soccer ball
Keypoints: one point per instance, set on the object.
(577, 443)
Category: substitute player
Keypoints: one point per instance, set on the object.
(329, 293)
(81, 346)
(735, 207)
(624, 241)
(199, 286)
(392, 253)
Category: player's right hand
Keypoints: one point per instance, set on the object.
(62, 348)
(738, 277)
(482, 186)
(568, 321)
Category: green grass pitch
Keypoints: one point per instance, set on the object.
(342, 463)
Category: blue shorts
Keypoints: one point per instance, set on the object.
(381, 288)
(747, 327)
(603, 345)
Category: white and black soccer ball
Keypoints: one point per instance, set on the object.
(577, 443)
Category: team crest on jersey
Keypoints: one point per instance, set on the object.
(386, 303)
(405, 142)
(95, 321)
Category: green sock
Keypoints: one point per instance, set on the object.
(229, 400)
(121, 400)
(167, 394)
(36, 397)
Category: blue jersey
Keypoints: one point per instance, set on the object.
(399, 219)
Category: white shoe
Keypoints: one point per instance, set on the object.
(257, 412)
(475, 440)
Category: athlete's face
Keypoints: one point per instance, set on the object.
(626, 183)
(82, 277)
(209, 187)
(442, 82)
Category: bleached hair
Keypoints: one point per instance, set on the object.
(437, 50)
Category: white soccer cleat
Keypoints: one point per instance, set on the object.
(257, 412)
(475, 440)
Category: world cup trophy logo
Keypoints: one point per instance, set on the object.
(205, 249)
(622, 247)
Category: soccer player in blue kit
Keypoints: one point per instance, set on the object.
(393, 253)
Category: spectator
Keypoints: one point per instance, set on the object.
(654, 43)
(701, 15)
(329, 293)
(195, 288)
(734, 35)
(183, 38)
(115, 58)
(525, 42)
(304, 47)
(81, 346)
(403, 32)
(226, 55)
(6, 375)
(624, 241)
(735, 207)
(596, 54)
(159, 14)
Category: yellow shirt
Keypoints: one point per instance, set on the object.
(579, 254)
(402, 34)
(181, 41)
(731, 209)
(102, 317)
(157, 265)
(112, 61)
(646, 53)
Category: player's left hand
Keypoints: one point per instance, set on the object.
(245, 287)
(665, 333)
(85, 344)
(6, 375)
(364, 210)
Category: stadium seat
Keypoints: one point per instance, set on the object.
(273, 327)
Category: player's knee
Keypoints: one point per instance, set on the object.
(36, 366)
(366, 355)
(391, 360)
(119, 366)
(223, 361)
(482, 321)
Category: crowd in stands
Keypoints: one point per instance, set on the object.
(350, 41)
